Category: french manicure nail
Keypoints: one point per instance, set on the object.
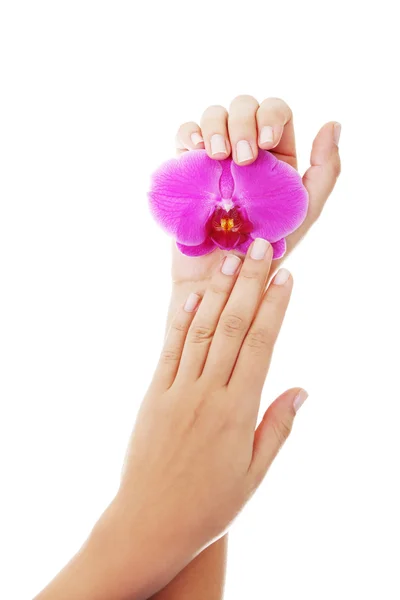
(243, 151)
(230, 264)
(337, 130)
(281, 277)
(191, 303)
(299, 400)
(196, 138)
(259, 249)
(218, 145)
(266, 135)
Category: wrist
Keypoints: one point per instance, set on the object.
(137, 557)
(106, 566)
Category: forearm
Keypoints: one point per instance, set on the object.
(203, 578)
(103, 568)
(122, 559)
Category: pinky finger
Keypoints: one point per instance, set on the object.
(170, 358)
(189, 137)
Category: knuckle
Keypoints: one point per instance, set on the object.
(282, 106)
(281, 428)
(250, 274)
(242, 121)
(243, 99)
(170, 356)
(201, 334)
(178, 327)
(337, 167)
(314, 210)
(232, 325)
(215, 110)
(217, 289)
(189, 125)
(279, 107)
(259, 340)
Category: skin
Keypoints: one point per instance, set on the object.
(135, 532)
(245, 120)
(195, 443)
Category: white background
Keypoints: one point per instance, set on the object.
(91, 96)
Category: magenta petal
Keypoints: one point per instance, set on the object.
(244, 246)
(279, 248)
(205, 248)
(273, 195)
(183, 194)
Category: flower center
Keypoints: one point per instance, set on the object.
(228, 226)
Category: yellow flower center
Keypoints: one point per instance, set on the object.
(227, 224)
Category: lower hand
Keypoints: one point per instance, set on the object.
(195, 457)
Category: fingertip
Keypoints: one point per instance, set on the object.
(337, 130)
(282, 277)
(299, 399)
(246, 152)
(218, 148)
(277, 132)
(197, 140)
(191, 303)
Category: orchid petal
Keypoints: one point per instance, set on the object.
(279, 248)
(184, 192)
(205, 248)
(273, 195)
(244, 246)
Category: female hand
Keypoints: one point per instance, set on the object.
(247, 127)
(195, 457)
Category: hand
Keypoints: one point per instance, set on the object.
(270, 127)
(247, 127)
(195, 457)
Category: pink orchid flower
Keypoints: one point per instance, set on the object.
(206, 204)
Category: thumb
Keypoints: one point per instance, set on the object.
(321, 177)
(273, 431)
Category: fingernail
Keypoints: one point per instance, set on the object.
(243, 151)
(191, 303)
(337, 130)
(300, 399)
(230, 264)
(281, 277)
(196, 138)
(218, 145)
(266, 135)
(259, 249)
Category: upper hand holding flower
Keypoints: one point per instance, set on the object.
(240, 134)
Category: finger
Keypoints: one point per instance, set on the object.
(170, 358)
(325, 167)
(204, 324)
(276, 131)
(238, 313)
(319, 179)
(189, 137)
(242, 129)
(215, 132)
(272, 432)
(255, 355)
